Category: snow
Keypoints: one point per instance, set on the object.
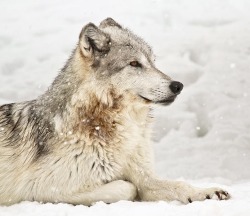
(202, 138)
(239, 205)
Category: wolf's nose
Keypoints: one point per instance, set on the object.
(176, 87)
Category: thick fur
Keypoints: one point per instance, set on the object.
(87, 138)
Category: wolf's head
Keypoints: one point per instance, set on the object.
(125, 61)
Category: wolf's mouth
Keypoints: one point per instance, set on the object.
(166, 101)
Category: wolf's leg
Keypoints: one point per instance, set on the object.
(177, 190)
(153, 189)
(108, 193)
(114, 192)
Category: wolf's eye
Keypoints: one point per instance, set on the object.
(135, 64)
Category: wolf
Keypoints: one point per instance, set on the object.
(87, 138)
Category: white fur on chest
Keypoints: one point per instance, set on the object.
(92, 161)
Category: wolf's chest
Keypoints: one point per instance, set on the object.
(90, 161)
(98, 147)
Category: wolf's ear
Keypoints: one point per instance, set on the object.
(109, 22)
(92, 40)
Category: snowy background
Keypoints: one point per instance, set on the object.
(202, 138)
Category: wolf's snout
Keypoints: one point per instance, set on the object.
(176, 87)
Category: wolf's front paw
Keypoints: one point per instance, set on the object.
(208, 193)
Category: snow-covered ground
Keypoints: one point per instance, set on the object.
(202, 138)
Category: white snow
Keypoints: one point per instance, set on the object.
(202, 138)
(97, 127)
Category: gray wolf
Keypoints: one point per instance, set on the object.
(87, 138)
